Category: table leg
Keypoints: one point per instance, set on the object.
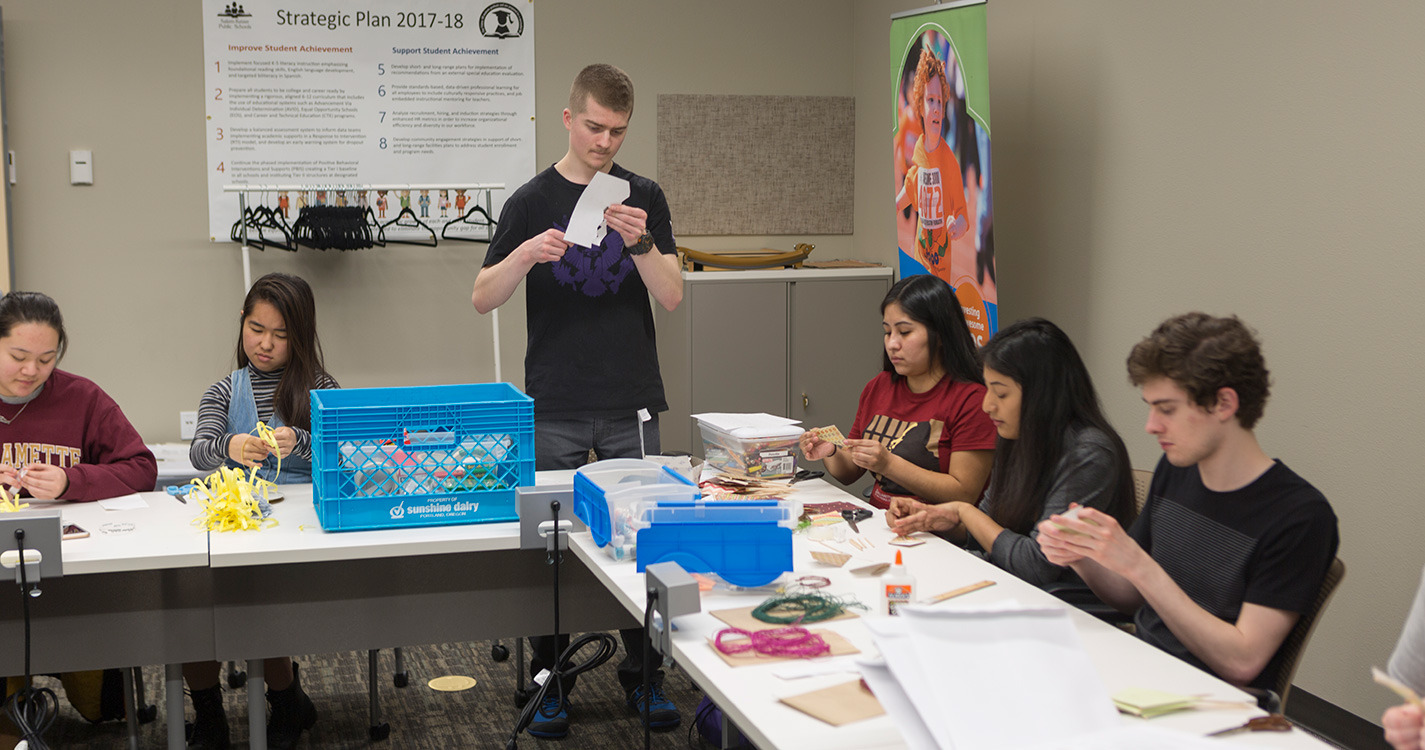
(173, 685)
(256, 706)
(731, 737)
(131, 709)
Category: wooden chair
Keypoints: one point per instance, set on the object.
(1295, 644)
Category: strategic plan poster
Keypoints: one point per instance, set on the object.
(941, 154)
(337, 94)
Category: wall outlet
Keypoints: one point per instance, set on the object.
(187, 424)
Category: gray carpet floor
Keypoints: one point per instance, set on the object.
(419, 716)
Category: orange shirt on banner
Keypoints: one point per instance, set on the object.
(935, 185)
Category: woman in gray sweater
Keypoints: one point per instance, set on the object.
(1055, 447)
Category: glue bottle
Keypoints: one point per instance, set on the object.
(897, 588)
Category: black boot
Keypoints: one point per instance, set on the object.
(210, 725)
(292, 712)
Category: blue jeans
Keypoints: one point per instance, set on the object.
(565, 444)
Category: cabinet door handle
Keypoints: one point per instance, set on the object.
(805, 401)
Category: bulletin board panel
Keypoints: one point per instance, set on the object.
(755, 165)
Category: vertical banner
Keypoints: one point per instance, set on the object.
(941, 137)
(323, 92)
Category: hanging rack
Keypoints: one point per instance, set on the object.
(488, 188)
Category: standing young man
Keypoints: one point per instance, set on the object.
(591, 362)
(1232, 546)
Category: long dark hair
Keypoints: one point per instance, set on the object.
(1058, 396)
(293, 300)
(929, 301)
(32, 307)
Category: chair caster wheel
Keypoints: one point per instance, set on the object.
(147, 714)
(499, 652)
(380, 732)
(237, 679)
(400, 679)
(521, 698)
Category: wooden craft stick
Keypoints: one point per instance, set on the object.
(959, 592)
(1400, 688)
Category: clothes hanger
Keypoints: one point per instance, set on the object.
(421, 224)
(465, 219)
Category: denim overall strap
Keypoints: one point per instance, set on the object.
(242, 418)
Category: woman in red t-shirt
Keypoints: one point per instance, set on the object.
(919, 428)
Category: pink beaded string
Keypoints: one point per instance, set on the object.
(791, 641)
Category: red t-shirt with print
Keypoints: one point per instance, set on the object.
(923, 428)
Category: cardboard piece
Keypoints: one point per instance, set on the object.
(836, 559)
(742, 619)
(839, 647)
(839, 704)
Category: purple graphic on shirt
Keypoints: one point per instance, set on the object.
(595, 271)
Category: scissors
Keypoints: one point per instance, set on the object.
(853, 516)
(806, 474)
(178, 491)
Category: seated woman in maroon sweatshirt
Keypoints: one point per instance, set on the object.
(61, 436)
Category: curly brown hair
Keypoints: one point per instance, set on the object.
(1203, 354)
(610, 87)
(929, 65)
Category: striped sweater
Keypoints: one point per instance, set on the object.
(211, 438)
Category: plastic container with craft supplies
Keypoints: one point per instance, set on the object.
(610, 496)
(638, 509)
(420, 456)
(766, 451)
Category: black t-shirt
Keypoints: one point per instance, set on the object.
(591, 348)
(1269, 543)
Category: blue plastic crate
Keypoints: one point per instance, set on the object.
(420, 456)
(743, 554)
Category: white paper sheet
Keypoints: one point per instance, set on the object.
(124, 502)
(1137, 737)
(897, 704)
(1008, 661)
(586, 224)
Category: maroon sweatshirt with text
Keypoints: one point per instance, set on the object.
(73, 424)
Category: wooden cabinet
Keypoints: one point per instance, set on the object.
(800, 343)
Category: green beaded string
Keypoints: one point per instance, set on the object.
(795, 608)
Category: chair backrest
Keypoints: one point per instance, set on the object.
(1295, 644)
(1142, 479)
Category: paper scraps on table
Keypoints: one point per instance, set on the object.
(836, 559)
(873, 569)
(906, 541)
(839, 647)
(838, 705)
(124, 502)
(831, 434)
(1148, 703)
(817, 509)
(742, 618)
(586, 225)
(1400, 688)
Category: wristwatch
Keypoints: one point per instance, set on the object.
(644, 244)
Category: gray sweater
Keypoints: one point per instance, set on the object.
(1407, 664)
(1086, 474)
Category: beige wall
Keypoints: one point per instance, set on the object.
(151, 305)
(1259, 158)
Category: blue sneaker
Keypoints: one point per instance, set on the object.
(551, 721)
(662, 714)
